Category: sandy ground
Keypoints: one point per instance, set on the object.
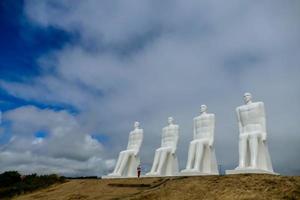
(205, 187)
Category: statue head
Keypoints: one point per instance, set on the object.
(203, 108)
(170, 120)
(136, 124)
(247, 98)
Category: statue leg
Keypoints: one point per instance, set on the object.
(162, 160)
(121, 154)
(242, 151)
(253, 150)
(191, 156)
(199, 155)
(155, 162)
(124, 162)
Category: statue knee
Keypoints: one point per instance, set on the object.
(254, 136)
(193, 142)
(243, 138)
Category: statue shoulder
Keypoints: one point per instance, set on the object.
(207, 116)
(261, 107)
(211, 115)
(196, 118)
(136, 131)
(260, 103)
(239, 108)
(140, 131)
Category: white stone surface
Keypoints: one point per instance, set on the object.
(249, 171)
(195, 173)
(201, 156)
(253, 149)
(165, 160)
(129, 159)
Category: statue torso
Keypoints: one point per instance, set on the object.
(169, 135)
(135, 138)
(250, 116)
(204, 125)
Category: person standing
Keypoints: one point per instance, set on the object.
(139, 169)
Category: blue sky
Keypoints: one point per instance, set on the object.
(21, 45)
(74, 76)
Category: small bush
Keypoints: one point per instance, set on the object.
(9, 178)
(11, 183)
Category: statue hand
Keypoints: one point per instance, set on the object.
(210, 143)
(264, 137)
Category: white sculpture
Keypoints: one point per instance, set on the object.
(129, 160)
(165, 160)
(201, 156)
(253, 151)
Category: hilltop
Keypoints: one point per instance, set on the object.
(205, 187)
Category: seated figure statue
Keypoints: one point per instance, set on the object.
(165, 161)
(201, 156)
(253, 151)
(129, 160)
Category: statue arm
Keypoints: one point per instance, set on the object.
(211, 141)
(140, 140)
(175, 141)
(263, 122)
(194, 130)
(239, 121)
(162, 137)
(129, 141)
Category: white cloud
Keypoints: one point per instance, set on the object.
(66, 147)
(146, 60)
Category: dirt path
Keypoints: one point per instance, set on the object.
(205, 187)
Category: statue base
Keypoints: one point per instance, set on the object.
(250, 171)
(117, 177)
(158, 175)
(195, 173)
(152, 175)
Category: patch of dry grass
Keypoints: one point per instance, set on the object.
(205, 187)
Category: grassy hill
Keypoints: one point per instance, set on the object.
(205, 187)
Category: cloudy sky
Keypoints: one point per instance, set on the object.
(76, 74)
